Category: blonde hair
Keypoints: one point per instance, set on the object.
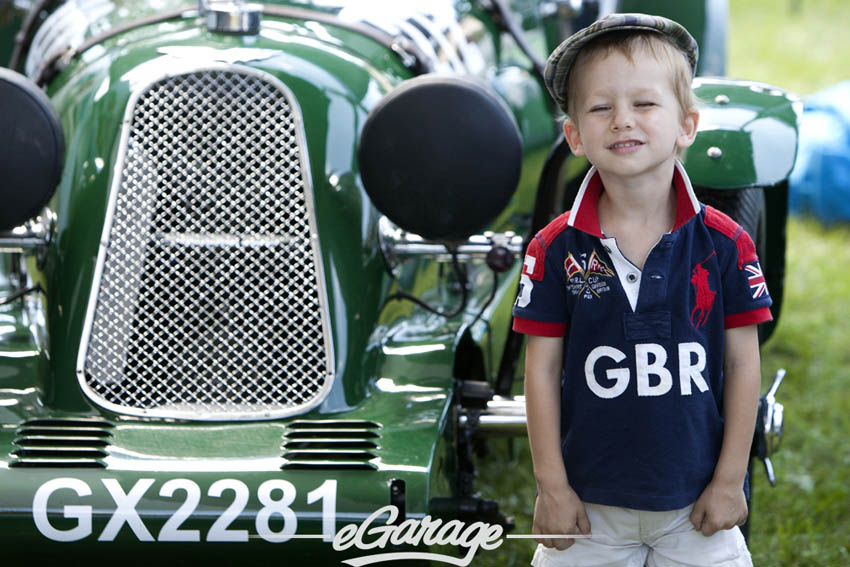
(627, 43)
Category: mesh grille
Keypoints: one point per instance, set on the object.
(208, 305)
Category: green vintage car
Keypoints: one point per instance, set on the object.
(257, 264)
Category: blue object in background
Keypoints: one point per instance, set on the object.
(820, 180)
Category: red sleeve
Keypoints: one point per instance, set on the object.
(539, 328)
(748, 318)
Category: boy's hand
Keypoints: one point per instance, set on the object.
(559, 512)
(721, 506)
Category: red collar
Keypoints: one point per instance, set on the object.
(584, 214)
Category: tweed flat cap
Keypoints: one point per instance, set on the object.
(564, 56)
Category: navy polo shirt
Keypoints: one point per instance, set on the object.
(642, 381)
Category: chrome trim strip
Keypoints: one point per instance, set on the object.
(32, 235)
(397, 244)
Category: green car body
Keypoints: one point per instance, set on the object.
(87, 471)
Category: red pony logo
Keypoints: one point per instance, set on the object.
(704, 294)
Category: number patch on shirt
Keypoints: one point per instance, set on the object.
(525, 285)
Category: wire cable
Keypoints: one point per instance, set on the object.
(19, 294)
(461, 278)
(489, 300)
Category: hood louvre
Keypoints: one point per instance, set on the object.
(331, 444)
(62, 443)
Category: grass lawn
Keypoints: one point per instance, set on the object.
(805, 519)
(803, 46)
(800, 45)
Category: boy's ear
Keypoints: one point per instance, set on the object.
(689, 129)
(573, 137)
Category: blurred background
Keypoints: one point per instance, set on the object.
(802, 46)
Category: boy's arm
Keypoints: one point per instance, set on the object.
(722, 504)
(558, 509)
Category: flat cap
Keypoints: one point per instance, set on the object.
(561, 60)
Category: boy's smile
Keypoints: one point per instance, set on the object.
(625, 146)
(627, 119)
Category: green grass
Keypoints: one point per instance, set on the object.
(802, 46)
(799, 45)
(805, 519)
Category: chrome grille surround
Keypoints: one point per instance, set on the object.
(208, 299)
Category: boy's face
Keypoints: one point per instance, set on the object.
(627, 120)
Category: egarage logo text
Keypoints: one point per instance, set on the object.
(427, 531)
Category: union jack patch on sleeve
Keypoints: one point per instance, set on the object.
(756, 279)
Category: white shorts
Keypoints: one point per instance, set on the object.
(621, 537)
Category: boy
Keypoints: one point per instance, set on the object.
(642, 363)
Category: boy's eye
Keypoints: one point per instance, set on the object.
(598, 108)
(644, 103)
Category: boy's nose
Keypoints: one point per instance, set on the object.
(621, 121)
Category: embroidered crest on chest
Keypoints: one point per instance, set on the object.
(587, 276)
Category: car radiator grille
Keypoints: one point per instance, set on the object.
(208, 301)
